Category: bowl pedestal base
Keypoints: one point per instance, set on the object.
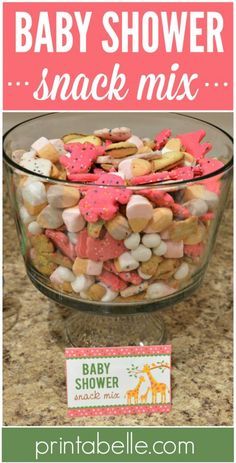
(91, 330)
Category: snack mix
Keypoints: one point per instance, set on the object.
(116, 234)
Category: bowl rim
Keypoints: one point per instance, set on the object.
(162, 184)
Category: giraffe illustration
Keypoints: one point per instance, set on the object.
(144, 397)
(133, 393)
(155, 386)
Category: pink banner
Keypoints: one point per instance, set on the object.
(118, 56)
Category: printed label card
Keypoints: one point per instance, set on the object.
(118, 380)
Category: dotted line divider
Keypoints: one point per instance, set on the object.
(119, 405)
(18, 83)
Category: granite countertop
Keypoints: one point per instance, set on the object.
(200, 330)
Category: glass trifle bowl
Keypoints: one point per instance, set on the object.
(114, 225)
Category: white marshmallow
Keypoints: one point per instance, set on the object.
(59, 145)
(61, 197)
(138, 211)
(25, 216)
(73, 237)
(141, 254)
(82, 283)
(120, 174)
(65, 274)
(73, 219)
(39, 166)
(50, 217)
(151, 240)
(40, 143)
(136, 141)
(28, 155)
(211, 199)
(182, 271)
(125, 168)
(134, 289)
(94, 267)
(16, 155)
(34, 228)
(158, 290)
(127, 262)
(31, 179)
(161, 249)
(144, 276)
(132, 241)
(196, 207)
(61, 275)
(110, 295)
(34, 193)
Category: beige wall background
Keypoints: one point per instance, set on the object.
(222, 120)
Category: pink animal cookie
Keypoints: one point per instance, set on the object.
(150, 178)
(193, 250)
(180, 173)
(81, 245)
(129, 277)
(112, 281)
(62, 242)
(83, 155)
(162, 138)
(104, 249)
(84, 178)
(162, 199)
(191, 143)
(209, 165)
(103, 203)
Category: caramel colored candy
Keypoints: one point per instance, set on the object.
(162, 219)
(86, 267)
(55, 172)
(183, 229)
(34, 197)
(198, 236)
(200, 192)
(173, 144)
(50, 217)
(150, 267)
(118, 227)
(166, 268)
(139, 212)
(194, 192)
(62, 196)
(45, 149)
(167, 160)
(96, 292)
(80, 266)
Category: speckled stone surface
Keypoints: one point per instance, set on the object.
(200, 330)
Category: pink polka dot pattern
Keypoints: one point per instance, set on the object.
(120, 410)
(116, 351)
